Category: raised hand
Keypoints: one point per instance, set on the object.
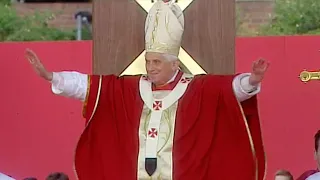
(259, 68)
(37, 65)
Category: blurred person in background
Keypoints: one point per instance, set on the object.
(283, 175)
(315, 173)
(57, 176)
(30, 178)
(5, 177)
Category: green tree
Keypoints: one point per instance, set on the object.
(29, 28)
(5, 2)
(294, 17)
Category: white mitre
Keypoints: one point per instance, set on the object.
(164, 28)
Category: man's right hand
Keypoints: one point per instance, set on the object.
(37, 65)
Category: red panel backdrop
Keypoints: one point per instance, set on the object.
(38, 130)
(302, 115)
(288, 108)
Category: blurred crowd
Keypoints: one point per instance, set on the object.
(312, 174)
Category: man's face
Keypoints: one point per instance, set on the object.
(317, 155)
(159, 69)
(282, 178)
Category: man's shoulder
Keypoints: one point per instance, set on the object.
(214, 78)
(107, 80)
(130, 77)
(130, 80)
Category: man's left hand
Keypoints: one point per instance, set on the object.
(259, 68)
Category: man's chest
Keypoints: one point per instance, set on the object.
(161, 141)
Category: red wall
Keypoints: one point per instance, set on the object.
(38, 131)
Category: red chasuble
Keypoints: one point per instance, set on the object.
(215, 139)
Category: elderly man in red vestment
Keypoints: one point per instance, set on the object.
(167, 124)
(314, 174)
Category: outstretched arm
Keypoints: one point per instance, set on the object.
(247, 85)
(243, 90)
(69, 84)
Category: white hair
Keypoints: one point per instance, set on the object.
(170, 57)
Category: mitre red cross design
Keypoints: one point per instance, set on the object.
(157, 105)
(186, 80)
(153, 132)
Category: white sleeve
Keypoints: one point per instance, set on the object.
(242, 89)
(70, 84)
